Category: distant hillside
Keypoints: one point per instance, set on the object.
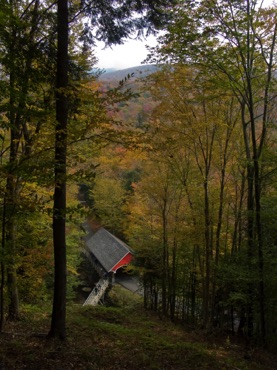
(138, 71)
(135, 111)
(108, 70)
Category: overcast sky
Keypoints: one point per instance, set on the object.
(131, 54)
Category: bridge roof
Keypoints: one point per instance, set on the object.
(107, 248)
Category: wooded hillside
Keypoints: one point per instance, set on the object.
(176, 158)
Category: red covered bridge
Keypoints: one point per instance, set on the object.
(108, 251)
(107, 254)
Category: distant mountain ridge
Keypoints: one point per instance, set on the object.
(137, 110)
(136, 72)
(108, 70)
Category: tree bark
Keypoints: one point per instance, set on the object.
(11, 191)
(59, 211)
(2, 286)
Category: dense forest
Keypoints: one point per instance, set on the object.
(177, 157)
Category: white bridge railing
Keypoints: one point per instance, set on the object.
(97, 292)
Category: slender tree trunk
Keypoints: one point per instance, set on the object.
(11, 194)
(207, 257)
(11, 269)
(258, 223)
(10, 238)
(250, 237)
(173, 281)
(59, 211)
(237, 235)
(2, 302)
(165, 261)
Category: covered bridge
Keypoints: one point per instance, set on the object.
(106, 252)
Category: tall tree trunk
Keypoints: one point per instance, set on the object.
(173, 281)
(260, 251)
(250, 251)
(207, 297)
(237, 234)
(165, 259)
(59, 211)
(2, 286)
(11, 270)
(11, 193)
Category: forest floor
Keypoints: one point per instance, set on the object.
(124, 336)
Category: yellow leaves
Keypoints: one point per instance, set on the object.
(72, 270)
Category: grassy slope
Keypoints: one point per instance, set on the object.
(119, 338)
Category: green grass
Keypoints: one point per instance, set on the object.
(126, 337)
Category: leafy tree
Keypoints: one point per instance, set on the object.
(24, 67)
(108, 198)
(235, 42)
(194, 128)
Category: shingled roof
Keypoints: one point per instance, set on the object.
(107, 248)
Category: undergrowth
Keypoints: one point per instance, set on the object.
(124, 336)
